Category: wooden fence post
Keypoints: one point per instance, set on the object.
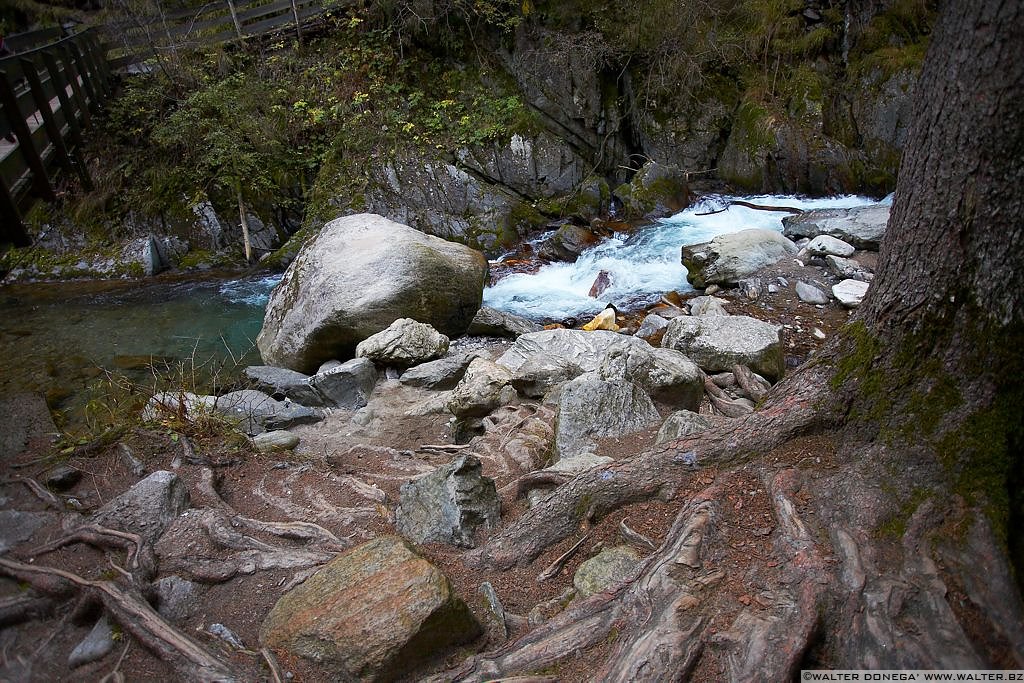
(11, 229)
(9, 100)
(71, 67)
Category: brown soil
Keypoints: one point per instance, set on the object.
(381, 448)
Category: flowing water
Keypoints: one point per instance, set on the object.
(640, 265)
(59, 338)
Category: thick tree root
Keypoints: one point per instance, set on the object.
(140, 561)
(654, 473)
(189, 659)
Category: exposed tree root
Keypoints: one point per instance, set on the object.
(654, 473)
(18, 608)
(140, 555)
(189, 659)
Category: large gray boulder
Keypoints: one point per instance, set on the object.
(346, 385)
(355, 278)
(449, 504)
(371, 614)
(862, 227)
(728, 258)
(716, 344)
(590, 407)
(665, 374)
(404, 343)
(147, 507)
(539, 374)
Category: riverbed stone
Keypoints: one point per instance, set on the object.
(825, 245)
(590, 407)
(862, 227)
(727, 259)
(810, 294)
(652, 324)
(448, 505)
(850, 293)
(255, 412)
(277, 440)
(96, 645)
(491, 322)
(682, 423)
(371, 614)
(848, 269)
(604, 570)
(355, 278)
(404, 343)
(707, 305)
(283, 383)
(568, 242)
(716, 344)
(443, 373)
(346, 385)
(481, 389)
(147, 508)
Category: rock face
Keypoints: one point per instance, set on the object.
(590, 406)
(568, 242)
(716, 344)
(449, 504)
(405, 342)
(540, 374)
(372, 614)
(481, 390)
(862, 227)
(728, 258)
(359, 275)
(147, 507)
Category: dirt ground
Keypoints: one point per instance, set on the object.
(345, 476)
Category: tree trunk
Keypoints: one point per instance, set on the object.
(889, 548)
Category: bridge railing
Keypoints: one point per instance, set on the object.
(47, 97)
(135, 40)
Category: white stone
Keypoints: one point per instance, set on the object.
(824, 245)
(850, 292)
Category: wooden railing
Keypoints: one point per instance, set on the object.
(135, 40)
(47, 97)
(52, 86)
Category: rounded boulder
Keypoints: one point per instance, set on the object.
(359, 275)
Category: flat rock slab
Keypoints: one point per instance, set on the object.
(590, 407)
(729, 258)
(371, 614)
(716, 344)
(862, 227)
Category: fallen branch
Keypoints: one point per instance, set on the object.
(184, 655)
(750, 205)
(635, 538)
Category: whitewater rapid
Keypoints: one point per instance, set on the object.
(641, 265)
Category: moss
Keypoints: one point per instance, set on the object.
(896, 525)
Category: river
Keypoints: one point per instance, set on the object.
(61, 338)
